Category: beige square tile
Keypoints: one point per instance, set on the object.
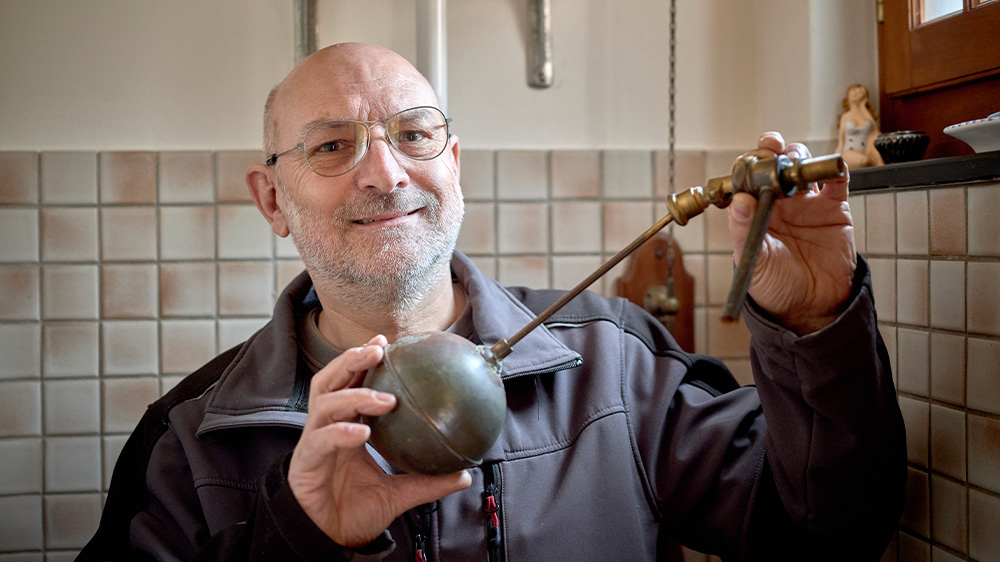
(912, 292)
(888, 334)
(624, 222)
(984, 512)
(948, 368)
(720, 162)
(486, 264)
(478, 234)
(113, 445)
(576, 226)
(20, 351)
(478, 174)
(19, 170)
(947, 295)
(982, 298)
(948, 218)
(725, 340)
(717, 236)
(72, 407)
(911, 222)
(128, 177)
(21, 403)
(130, 347)
(720, 278)
(984, 452)
(884, 287)
(522, 228)
(695, 265)
(21, 522)
(246, 289)
(19, 233)
(125, 400)
(70, 349)
(284, 272)
(284, 247)
(186, 177)
(948, 441)
(917, 419)
(606, 285)
(880, 223)
(168, 382)
(243, 233)
(230, 174)
(69, 177)
(186, 345)
(984, 375)
(917, 514)
(689, 171)
(69, 234)
(701, 322)
(233, 331)
(129, 291)
(21, 470)
(128, 233)
(949, 525)
(914, 372)
(690, 237)
(522, 174)
(984, 228)
(72, 464)
(71, 519)
(859, 219)
(576, 174)
(527, 272)
(69, 292)
(21, 292)
(627, 173)
(187, 289)
(187, 233)
(570, 271)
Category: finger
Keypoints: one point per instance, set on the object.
(348, 404)
(740, 211)
(344, 369)
(315, 446)
(417, 489)
(837, 190)
(797, 150)
(773, 141)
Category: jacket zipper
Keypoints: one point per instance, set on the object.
(491, 507)
(421, 552)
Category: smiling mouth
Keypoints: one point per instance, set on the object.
(385, 218)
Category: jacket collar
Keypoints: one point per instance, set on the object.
(264, 384)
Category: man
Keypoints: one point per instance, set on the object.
(615, 440)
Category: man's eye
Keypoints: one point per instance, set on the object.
(332, 146)
(411, 136)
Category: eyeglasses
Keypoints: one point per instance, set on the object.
(333, 148)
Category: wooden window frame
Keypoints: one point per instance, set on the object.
(938, 73)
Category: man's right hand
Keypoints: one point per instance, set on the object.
(337, 483)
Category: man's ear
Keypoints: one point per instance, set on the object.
(455, 150)
(265, 193)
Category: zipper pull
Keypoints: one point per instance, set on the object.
(490, 507)
(420, 545)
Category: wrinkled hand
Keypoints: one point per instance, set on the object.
(806, 265)
(337, 483)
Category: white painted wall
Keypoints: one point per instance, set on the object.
(119, 74)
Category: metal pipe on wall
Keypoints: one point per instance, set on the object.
(432, 47)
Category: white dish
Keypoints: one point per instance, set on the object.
(983, 135)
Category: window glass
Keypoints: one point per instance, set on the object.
(934, 9)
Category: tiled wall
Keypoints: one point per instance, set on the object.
(122, 271)
(935, 260)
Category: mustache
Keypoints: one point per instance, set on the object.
(398, 200)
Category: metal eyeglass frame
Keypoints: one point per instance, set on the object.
(273, 158)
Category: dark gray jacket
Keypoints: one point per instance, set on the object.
(615, 440)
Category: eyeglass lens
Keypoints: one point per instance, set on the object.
(336, 147)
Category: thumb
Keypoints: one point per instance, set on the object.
(741, 210)
(417, 489)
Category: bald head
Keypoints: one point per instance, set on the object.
(361, 81)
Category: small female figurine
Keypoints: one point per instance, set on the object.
(858, 129)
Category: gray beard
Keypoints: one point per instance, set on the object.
(366, 283)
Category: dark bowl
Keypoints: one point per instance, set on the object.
(902, 146)
(450, 406)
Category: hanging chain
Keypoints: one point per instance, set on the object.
(671, 140)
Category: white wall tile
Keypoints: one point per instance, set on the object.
(69, 234)
(72, 464)
(21, 292)
(21, 522)
(245, 288)
(576, 174)
(69, 292)
(21, 469)
(21, 404)
(187, 233)
(19, 235)
(522, 174)
(627, 173)
(186, 177)
(69, 177)
(71, 519)
(576, 226)
(128, 177)
(125, 400)
(186, 345)
(478, 174)
(522, 228)
(72, 407)
(187, 289)
(20, 350)
(130, 347)
(243, 233)
(947, 288)
(128, 233)
(19, 170)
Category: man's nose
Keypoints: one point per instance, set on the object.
(380, 168)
